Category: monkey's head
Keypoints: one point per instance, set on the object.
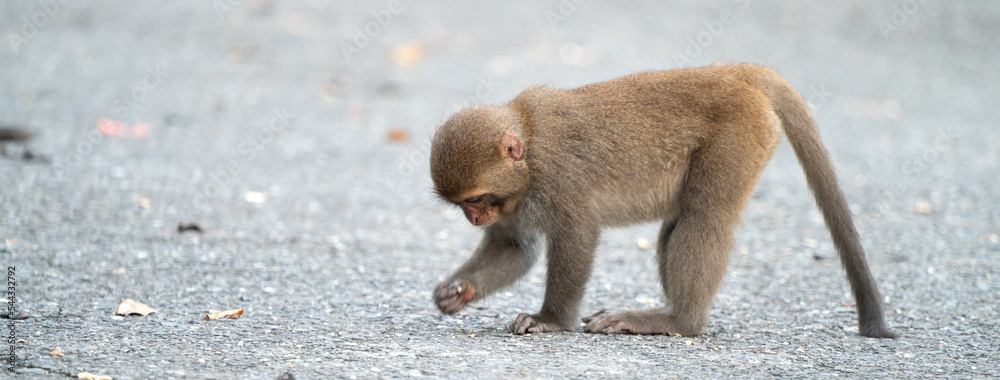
(477, 162)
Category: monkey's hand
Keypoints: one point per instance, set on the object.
(525, 324)
(452, 296)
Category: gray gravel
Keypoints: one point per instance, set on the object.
(334, 268)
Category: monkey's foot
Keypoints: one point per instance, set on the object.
(525, 324)
(635, 322)
(876, 329)
(452, 296)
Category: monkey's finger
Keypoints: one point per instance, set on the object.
(521, 324)
(445, 291)
(510, 328)
(451, 306)
(614, 329)
(596, 325)
(593, 316)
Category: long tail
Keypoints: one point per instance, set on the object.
(815, 161)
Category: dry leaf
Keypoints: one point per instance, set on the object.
(144, 202)
(398, 135)
(408, 55)
(234, 314)
(57, 352)
(181, 227)
(90, 376)
(130, 307)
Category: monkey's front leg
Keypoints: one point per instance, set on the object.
(503, 256)
(570, 258)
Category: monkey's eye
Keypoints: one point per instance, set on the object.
(474, 200)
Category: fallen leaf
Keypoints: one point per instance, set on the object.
(57, 352)
(408, 55)
(90, 376)
(398, 135)
(897, 311)
(181, 227)
(144, 202)
(234, 314)
(12, 133)
(130, 307)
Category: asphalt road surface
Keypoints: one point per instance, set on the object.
(295, 134)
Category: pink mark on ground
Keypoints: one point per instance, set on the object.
(140, 130)
(113, 127)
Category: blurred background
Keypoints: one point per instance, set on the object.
(295, 134)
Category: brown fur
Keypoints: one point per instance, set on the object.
(684, 147)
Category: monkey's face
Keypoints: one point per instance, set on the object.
(476, 163)
(480, 210)
(496, 193)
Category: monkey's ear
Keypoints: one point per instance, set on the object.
(513, 147)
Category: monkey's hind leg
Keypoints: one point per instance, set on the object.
(693, 251)
(692, 254)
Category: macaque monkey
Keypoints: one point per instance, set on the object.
(684, 147)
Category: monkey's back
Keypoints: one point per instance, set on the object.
(601, 136)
